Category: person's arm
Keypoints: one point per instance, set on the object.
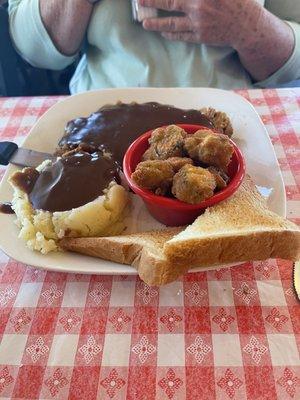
(263, 41)
(288, 11)
(29, 30)
(66, 22)
(265, 50)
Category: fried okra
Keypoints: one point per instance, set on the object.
(165, 143)
(178, 162)
(220, 120)
(155, 175)
(220, 177)
(209, 148)
(193, 184)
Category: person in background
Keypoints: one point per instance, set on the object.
(212, 43)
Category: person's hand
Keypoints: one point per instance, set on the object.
(212, 22)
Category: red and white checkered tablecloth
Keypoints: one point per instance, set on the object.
(227, 334)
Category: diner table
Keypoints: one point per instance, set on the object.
(231, 333)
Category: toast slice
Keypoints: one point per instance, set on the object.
(241, 228)
(144, 251)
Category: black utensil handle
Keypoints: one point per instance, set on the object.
(7, 149)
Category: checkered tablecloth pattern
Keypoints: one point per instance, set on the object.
(226, 334)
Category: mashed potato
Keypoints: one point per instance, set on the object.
(41, 229)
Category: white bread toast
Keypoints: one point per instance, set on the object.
(144, 251)
(241, 228)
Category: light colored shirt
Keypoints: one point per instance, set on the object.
(120, 53)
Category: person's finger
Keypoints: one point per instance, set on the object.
(170, 24)
(169, 5)
(181, 36)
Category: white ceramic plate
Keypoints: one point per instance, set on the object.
(250, 135)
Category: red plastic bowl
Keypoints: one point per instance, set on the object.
(172, 212)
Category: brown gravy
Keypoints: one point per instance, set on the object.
(115, 127)
(6, 208)
(25, 180)
(73, 181)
